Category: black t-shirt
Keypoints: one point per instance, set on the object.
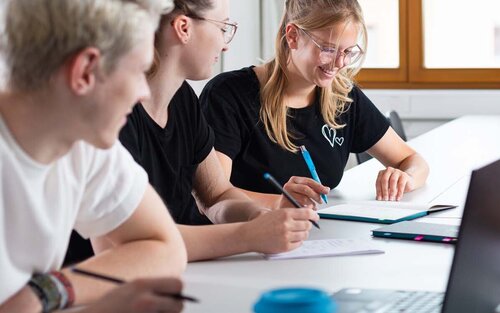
(231, 102)
(171, 155)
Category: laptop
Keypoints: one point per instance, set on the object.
(474, 282)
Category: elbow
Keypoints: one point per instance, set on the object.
(173, 255)
(178, 253)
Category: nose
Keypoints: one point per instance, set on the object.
(339, 61)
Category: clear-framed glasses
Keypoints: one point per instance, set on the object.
(328, 54)
(228, 28)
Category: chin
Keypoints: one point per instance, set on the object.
(104, 142)
(324, 84)
(103, 145)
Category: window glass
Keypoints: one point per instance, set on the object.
(461, 33)
(382, 21)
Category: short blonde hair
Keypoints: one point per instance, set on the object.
(42, 34)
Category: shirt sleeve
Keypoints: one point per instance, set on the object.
(218, 101)
(114, 188)
(203, 136)
(370, 123)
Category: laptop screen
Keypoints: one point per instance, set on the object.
(474, 284)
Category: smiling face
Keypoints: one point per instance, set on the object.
(306, 58)
(207, 42)
(116, 93)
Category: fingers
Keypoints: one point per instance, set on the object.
(150, 302)
(391, 184)
(281, 230)
(159, 285)
(304, 214)
(306, 189)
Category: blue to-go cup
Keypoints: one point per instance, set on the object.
(295, 300)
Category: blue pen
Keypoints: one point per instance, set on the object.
(312, 169)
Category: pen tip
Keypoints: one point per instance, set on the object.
(267, 175)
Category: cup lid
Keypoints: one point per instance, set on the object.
(295, 300)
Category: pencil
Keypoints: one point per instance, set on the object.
(290, 198)
(121, 281)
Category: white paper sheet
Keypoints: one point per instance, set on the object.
(327, 247)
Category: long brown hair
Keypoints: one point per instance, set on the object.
(188, 7)
(308, 15)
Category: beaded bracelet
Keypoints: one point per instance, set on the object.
(54, 291)
(67, 287)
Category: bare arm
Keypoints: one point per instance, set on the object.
(218, 198)
(304, 189)
(406, 169)
(273, 232)
(148, 244)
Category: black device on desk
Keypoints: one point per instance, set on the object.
(474, 283)
(419, 231)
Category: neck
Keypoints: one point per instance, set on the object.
(38, 124)
(299, 93)
(167, 80)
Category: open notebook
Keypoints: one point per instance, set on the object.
(384, 212)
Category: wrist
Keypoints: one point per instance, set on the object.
(277, 201)
(245, 236)
(53, 290)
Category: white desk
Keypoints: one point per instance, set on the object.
(232, 285)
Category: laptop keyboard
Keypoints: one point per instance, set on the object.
(408, 302)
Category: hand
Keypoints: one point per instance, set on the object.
(392, 183)
(279, 230)
(140, 296)
(304, 190)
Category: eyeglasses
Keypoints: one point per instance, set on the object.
(228, 29)
(328, 54)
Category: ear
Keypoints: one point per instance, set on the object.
(292, 36)
(82, 70)
(182, 26)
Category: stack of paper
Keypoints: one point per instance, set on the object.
(327, 247)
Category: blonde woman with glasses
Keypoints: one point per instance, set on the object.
(306, 96)
(170, 138)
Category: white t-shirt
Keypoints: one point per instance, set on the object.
(91, 190)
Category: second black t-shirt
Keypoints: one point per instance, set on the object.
(232, 103)
(171, 154)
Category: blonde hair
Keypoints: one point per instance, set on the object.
(308, 15)
(188, 7)
(42, 34)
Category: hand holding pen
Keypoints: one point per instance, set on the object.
(290, 198)
(312, 169)
(142, 295)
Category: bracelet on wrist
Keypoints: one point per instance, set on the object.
(53, 289)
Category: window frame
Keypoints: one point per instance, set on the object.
(412, 74)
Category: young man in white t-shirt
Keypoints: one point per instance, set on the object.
(76, 68)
